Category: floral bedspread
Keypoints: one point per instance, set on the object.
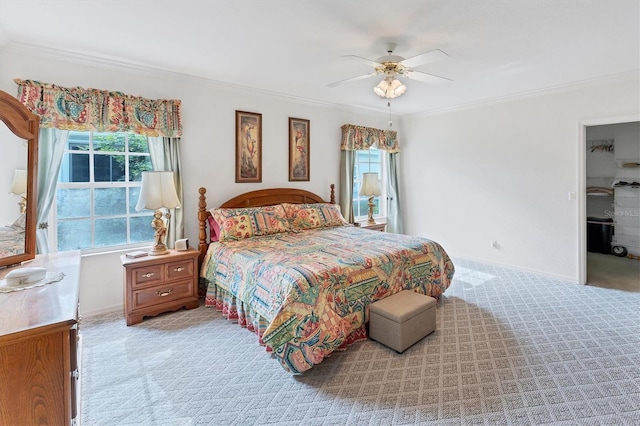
(307, 294)
(11, 240)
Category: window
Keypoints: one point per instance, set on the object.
(367, 160)
(97, 191)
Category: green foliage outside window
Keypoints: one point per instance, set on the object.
(98, 189)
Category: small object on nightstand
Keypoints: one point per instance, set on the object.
(136, 254)
(182, 245)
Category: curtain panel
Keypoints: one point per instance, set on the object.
(359, 137)
(99, 110)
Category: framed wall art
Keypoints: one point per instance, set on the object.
(299, 144)
(248, 147)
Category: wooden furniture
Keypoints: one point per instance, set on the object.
(24, 126)
(39, 365)
(309, 284)
(157, 284)
(261, 197)
(373, 226)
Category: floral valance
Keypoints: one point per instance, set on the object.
(359, 137)
(99, 110)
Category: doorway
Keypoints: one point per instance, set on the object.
(612, 205)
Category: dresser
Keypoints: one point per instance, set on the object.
(39, 363)
(157, 284)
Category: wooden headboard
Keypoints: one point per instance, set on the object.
(259, 198)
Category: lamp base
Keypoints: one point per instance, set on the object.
(159, 250)
(371, 221)
(160, 227)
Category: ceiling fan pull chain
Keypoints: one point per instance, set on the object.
(390, 121)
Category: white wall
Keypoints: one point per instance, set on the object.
(496, 172)
(208, 147)
(503, 172)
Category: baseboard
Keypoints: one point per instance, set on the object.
(572, 280)
(107, 310)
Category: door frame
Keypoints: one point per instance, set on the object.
(582, 184)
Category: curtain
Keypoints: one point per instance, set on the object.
(165, 156)
(355, 138)
(51, 145)
(99, 110)
(62, 109)
(347, 161)
(394, 219)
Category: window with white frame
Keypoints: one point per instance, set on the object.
(367, 160)
(97, 191)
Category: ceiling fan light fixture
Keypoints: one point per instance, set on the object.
(390, 88)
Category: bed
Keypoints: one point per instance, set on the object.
(12, 238)
(290, 268)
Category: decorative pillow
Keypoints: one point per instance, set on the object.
(310, 216)
(214, 229)
(240, 223)
(20, 221)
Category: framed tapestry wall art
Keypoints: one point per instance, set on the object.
(248, 147)
(299, 143)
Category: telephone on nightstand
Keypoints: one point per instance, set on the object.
(25, 276)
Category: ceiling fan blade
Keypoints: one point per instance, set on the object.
(426, 78)
(349, 80)
(365, 60)
(423, 58)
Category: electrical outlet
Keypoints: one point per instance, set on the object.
(572, 196)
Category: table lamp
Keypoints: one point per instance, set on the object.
(370, 188)
(158, 191)
(19, 187)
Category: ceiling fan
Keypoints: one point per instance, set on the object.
(392, 66)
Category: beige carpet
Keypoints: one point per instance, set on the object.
(510, 348)
(608, 271)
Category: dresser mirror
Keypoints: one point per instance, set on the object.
(19, 141)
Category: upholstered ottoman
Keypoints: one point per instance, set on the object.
(402, 319)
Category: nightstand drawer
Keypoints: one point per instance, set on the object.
(162, 294)
(178, 270)
(147, 275)
(157, 284)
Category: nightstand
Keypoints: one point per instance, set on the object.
(157, 284)
(373, 226)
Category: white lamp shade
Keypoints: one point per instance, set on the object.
(370, 185)
(390, 88)
(157, 191)
(19, 184)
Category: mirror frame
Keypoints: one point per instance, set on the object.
(24, 125)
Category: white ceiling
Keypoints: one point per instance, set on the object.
(496, 48)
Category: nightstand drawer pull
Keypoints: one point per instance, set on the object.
(164, 293)
(148, 274)
(179, 269)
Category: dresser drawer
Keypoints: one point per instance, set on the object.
(162, 294)
(145, 276)
(181, 269)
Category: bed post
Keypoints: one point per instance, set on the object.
(202, 219)
(332, 200)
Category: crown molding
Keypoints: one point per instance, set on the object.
(633, 75)
(105, 62)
